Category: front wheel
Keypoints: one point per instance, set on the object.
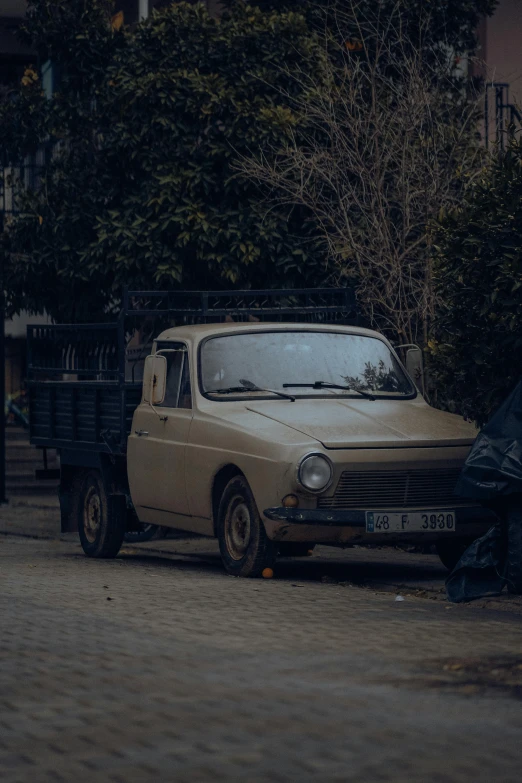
(102, 519)
(245, 548)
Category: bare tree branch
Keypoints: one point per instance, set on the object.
(383, 139)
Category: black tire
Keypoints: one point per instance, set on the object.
(145, 533)
(513, 525)
(101, 519)
(245, 548)
(451, 550)
(295, 549)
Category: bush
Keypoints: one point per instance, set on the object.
(392, 139)
(141, 190)
(477, 341)
(453, 23)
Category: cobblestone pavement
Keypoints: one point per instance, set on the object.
(157, 667)
(38, 517)
(382, 568)
(386, 569)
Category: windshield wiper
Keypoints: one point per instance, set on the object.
(248, 386)
(327, 385)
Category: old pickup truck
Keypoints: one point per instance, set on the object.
(269, 420)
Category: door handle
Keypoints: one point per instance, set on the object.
(141, 433)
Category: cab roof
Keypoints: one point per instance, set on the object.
(197, 332)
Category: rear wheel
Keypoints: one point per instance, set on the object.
(513, 524)
(451, 550)
(101, 519)
(245, 548)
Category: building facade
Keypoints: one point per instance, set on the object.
(499, 63)
(500, 47)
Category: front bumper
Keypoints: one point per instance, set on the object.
(357, 518)
(349, 527)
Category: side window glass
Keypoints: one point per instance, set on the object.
(185, 394)
(178, 392)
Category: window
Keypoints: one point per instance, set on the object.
(177, 394)
(273, 359)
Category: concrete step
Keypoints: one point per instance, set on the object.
(19, 468)
(30, 461)
(26, 451)
(25, 455)
(30, 457)
(21, 476)
(20, 443)
(13, 434)
(34, 501)
(22, 457)
(22, 489)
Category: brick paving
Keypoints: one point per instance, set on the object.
(382, 568)
(187, 674)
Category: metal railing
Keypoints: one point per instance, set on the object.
(312, 305)
(499, 114)
(90, 350)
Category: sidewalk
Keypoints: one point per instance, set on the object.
(31, 516)
(383, 569)
(158, 667)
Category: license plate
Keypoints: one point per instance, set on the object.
(410, 521)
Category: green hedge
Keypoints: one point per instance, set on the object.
(143, 189)
(477, 343)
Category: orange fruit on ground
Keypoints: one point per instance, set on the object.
(267, 573)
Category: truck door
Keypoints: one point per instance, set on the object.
(156, 448)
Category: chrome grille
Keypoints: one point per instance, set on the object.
(394, 488)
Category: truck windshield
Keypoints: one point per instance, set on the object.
(284, 359)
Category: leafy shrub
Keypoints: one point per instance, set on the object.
(141, 189)
(453, 23)
(477, 343)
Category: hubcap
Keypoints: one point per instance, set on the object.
(91, 515)
(237, 528)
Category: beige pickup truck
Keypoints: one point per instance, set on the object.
(273, 437)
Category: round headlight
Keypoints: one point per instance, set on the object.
(315, 472)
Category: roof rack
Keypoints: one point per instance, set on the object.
(325, 305)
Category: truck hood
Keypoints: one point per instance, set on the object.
(339, 424)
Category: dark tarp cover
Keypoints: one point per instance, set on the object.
(494, 465)
(479, 570)
(492, 471)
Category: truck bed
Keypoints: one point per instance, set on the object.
(84, 415)
(80, 397)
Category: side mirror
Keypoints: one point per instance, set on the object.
(414, 364)
(414, 361)
(154, 379)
